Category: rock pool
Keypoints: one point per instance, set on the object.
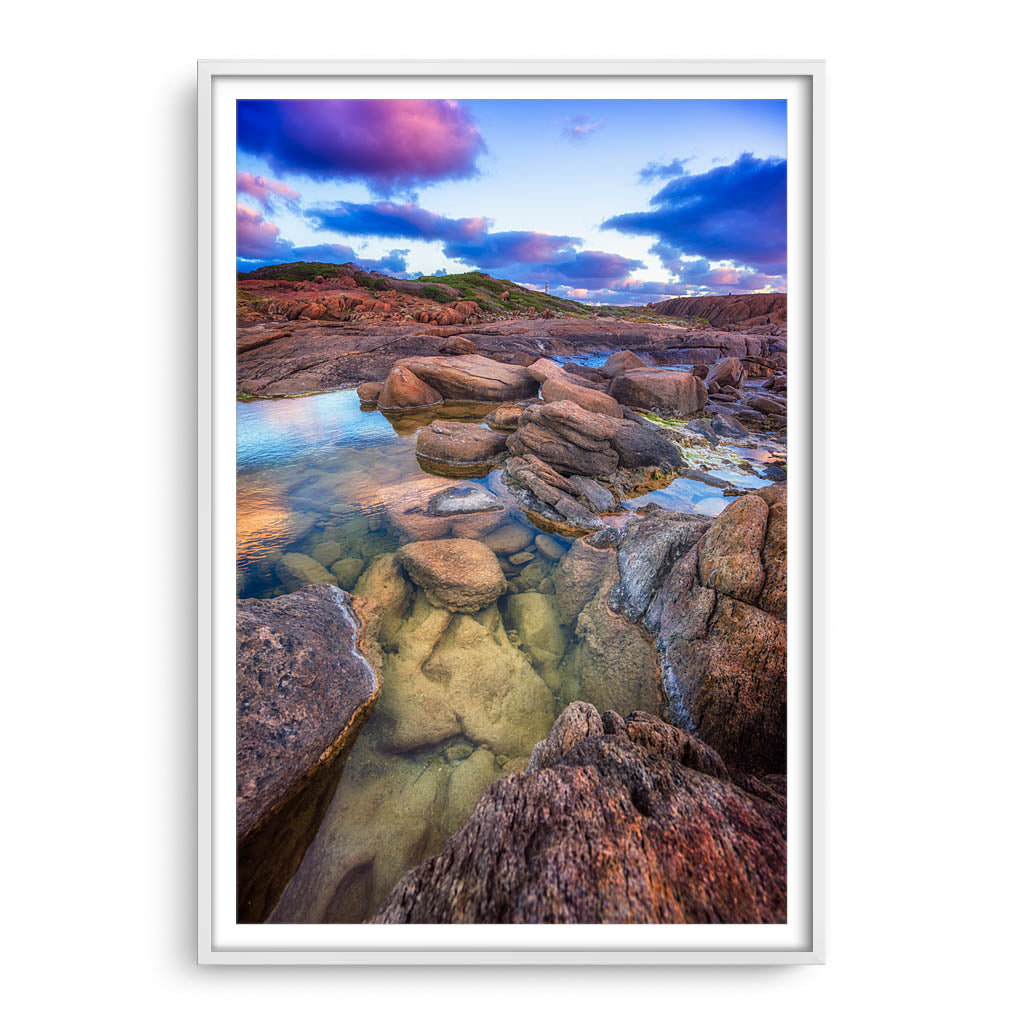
(327, 492)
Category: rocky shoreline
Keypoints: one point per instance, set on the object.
(582, 699)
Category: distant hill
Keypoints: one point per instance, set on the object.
(727, 310)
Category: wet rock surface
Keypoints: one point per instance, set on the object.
(619, 819)
(303, 690)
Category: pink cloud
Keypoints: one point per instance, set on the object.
(256, 238)
(393, 145)
(265, 190)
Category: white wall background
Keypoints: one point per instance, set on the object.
(923, 596)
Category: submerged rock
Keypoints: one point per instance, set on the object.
(509, 539)
(622, 820)
(467, 498)
(296, 570)
(347, 571)
(303, 691)
(534, 617)
(459, 575)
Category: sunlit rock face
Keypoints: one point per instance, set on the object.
(616, 820)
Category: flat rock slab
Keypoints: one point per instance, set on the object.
(472, 377)
(303, 691)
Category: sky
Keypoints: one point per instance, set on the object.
(605, 201)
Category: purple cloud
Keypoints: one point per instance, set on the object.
(389, 220)
(265, 191)
(578, 128)
(502, 248)
(259, 243)
(392, 145)
(736, 212)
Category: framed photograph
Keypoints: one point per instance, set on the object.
(507, 647)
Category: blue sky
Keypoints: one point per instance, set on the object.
(609, 200)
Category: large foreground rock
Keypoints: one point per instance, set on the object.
(303, 691)
(616, 821)
(458, 575)
(712, 594)
(672, 391)
(472, 377)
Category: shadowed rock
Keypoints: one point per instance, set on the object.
(303, 691)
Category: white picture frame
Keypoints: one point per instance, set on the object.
(222, 941)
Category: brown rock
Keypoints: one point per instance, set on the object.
(402, 389)
(458, 575)
(368, 392)
(559, 388)
(509, 539)
(303, 691)
(554, 448)
(722, 310)
(633, 825)
(672, 391)
(455, 443)
(458, 346)
(729, 557)
(472, 377)
(621, 361)
(727, 372)
(505, 417)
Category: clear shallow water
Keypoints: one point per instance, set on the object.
(464, 698)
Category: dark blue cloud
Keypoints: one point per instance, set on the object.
(652, 171)
(391, 220)
(736, 212)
